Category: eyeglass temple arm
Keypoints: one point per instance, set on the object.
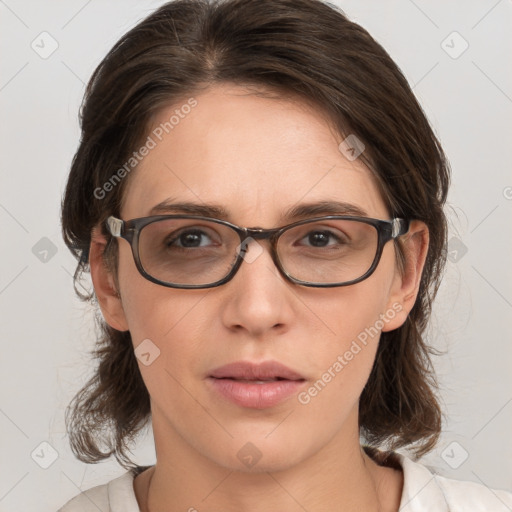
(399, 227)
(115, 226)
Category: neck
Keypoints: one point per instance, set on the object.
(339, 476)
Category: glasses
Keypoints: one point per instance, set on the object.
(188, 251)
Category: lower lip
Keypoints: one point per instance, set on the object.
(256, 396)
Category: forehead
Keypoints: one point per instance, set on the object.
(254, 156)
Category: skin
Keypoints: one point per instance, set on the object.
(257, 157)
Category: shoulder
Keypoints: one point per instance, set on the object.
(425, 490)
(473, 495)
(115, 496)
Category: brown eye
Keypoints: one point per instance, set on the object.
(190, 238)
(322, 238)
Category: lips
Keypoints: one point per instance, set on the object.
(256, 386)
(245, 371)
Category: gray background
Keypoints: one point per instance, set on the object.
(46, 332)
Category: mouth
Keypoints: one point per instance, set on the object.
(256, 386)
(254, 381)
(246, 371)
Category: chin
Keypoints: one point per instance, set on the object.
(257, 454)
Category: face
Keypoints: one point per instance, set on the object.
(257, 157)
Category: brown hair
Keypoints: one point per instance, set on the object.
(305, 48)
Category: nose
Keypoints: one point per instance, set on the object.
(258, 298)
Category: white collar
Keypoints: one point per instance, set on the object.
(423, 491)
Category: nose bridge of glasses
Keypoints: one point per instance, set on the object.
(258, 234)
(255, 234)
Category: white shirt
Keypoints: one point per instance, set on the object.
(423, 491)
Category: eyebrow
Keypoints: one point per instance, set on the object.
(300, 211)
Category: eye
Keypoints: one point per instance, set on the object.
(322, 238)
(188, 239)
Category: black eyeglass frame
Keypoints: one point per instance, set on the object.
(129, 230)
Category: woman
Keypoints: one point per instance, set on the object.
(259, 199)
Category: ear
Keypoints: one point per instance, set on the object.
(405, 287)
(104, 284)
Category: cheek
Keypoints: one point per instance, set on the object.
(165, 327)
(343, 356)
(150, 309)
(342, 366)
(351, 314)
(343, 360)
(166, 321)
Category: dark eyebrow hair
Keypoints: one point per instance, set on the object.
(203, 209)
(324, 208)
(305, 210)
